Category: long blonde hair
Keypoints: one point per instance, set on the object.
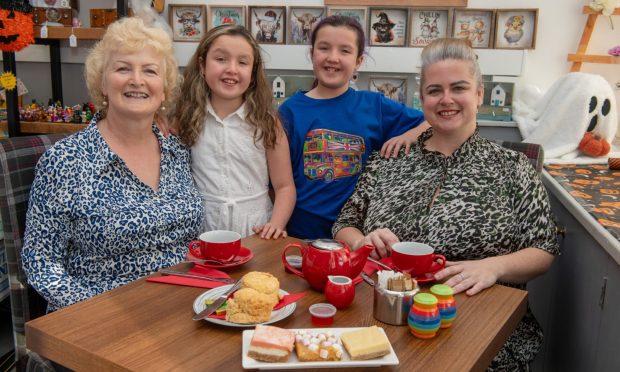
(191, 110)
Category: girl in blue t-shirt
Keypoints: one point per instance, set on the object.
(332, 129)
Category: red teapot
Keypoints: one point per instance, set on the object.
(324, 257)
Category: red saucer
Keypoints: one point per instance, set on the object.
(425, 278)
(244, 256)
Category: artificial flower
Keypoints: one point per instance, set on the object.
(606, 7)
(615, 51)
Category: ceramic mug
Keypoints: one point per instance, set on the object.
(416, 258)
(339, 291)
(218, 245)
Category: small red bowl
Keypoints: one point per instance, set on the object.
(322, 314)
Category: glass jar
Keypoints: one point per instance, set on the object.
(445, 303)
(424, 319)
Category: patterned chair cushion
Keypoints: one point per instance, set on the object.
(18, 157)
(533, 152)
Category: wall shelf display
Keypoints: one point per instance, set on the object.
(359, 13)
(188, 22)
(515, 28)
(476, 25)
(580, 56)
(41, 127)
(225, 14)
(267, 24)
(301, 22)
(428, 24)
(60, 33)
(392, 87)
(459, 3)
(387, 26)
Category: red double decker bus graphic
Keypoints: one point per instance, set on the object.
(329, 154)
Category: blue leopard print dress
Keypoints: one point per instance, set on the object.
(92, 225)
(491, 202)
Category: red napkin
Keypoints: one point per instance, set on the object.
(286, 300)
(192, 282)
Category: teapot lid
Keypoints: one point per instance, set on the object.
(327, 244)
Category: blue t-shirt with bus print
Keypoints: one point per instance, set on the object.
(330, 141)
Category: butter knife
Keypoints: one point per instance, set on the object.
(217, 303)
(195, 276)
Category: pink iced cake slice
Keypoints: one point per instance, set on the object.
(271, 344)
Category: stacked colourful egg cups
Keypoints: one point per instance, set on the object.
(445, 303)
(424, 319)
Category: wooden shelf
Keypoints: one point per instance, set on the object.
(592, 58)
(581, 56)
(39, 127)
(60, 33)
(459, 3)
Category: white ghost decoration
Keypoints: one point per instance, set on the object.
(574, 105)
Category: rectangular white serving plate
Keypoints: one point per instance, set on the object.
(293, 363)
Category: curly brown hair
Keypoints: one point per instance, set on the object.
(190, 112)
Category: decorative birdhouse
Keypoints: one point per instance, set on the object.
(278, 87)
(498, 96)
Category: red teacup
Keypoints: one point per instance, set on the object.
(218, 245)
(416, 258)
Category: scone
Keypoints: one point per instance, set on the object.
(262, 282)
(313, 346)
(250, 306)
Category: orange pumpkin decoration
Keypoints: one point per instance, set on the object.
(580, 194)
(586, 182)
(16, 26)
(593, 145)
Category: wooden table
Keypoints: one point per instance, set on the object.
(148, 326)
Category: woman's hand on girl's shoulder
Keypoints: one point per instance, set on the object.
(165, 126)
(270, 231)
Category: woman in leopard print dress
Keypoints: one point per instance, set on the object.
(479, 204)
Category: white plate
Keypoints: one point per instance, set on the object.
(276, 315)
(293, 363)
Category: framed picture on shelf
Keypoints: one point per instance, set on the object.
(393, 87)
(301, 21)
(387, 26)
(267, 24)
(359, 13)
(515, 28)
(188, 22)
(226, 14)
(476, 25)
(426, 25)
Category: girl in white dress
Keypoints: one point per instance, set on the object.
(238, 144)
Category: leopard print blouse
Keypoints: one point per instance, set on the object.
(491, 202)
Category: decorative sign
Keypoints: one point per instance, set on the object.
(8, 80)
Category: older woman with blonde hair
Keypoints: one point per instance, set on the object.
(115, 201)
(480, 205)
